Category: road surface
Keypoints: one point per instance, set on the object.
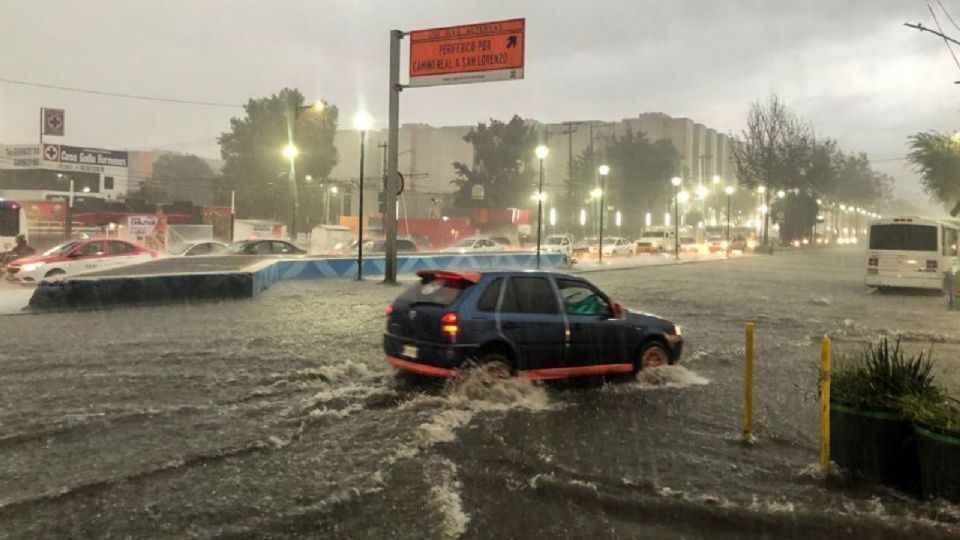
(277, 417)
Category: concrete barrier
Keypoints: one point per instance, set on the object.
(140, 286)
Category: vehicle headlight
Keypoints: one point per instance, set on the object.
(30, 267)
(677, 331)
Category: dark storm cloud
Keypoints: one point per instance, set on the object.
(850, 66)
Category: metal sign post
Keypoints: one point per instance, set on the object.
(470, 53)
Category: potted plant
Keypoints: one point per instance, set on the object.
(869, 434)
(936, 423)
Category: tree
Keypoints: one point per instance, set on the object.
(773, 151)
(503, 155)
(937, 158)
(640, 172)
(255, 167)
(180, 177)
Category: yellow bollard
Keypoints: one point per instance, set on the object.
(825, 405)
(748, 384)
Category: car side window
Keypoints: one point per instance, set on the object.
(120, 248)
(581, 299)
(280, 247)
(91, 249)
(529, 295)
(200, 249)
(260, 248)
(488, 301)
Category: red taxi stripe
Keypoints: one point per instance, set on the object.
(420, 368)
(559, 373)
(472, 277)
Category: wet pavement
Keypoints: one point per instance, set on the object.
(277, 417)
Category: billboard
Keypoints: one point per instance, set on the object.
(483, 52)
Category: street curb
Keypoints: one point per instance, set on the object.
(669, 262)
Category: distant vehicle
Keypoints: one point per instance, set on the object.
(380, 246)
(13, 222)
(198, 248)
(910, 252)
(558, 243)
(474, 244)
(504, 242)
(262, 247)
(655, 241)
(616, 245)
(716, 243)
(688, 244)
(77, 257)
(740, 243)
(538, 324)
(586, 247)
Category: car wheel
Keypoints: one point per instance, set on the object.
(652, 354)
(493, 365)
(53, 274)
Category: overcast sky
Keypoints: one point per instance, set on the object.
(850, 66)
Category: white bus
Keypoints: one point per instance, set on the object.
(13, 222)
(910, 252)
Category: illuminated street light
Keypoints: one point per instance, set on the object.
(781, 194)
(362, 121)
(583, 217)
(647, 219)
(596, 193)
(334, 190)
(761, 189)
(553, 217)
(676, 181)
(683, 197)
(541, 152)
(604, 170)
(702, 191)
(617, 218)
(290, 152)
(716, 179)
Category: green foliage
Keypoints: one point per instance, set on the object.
(882, 377)
(180, 177)
(254, 164)
(640, 172)
(943, 413)
(937, 158)
(503, 156)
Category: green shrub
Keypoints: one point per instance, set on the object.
(943, 413)
(881, 377)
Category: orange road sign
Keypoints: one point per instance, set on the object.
(483, 52)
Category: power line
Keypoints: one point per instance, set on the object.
(945, 41)
(947, 13)
(120, 95)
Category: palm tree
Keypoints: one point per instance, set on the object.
(937, 158)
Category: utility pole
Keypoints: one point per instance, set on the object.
(393, 180)
(571, 128)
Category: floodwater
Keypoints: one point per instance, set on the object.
(277, 417)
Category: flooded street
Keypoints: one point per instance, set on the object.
(277, 417)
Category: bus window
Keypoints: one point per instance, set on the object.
(10, 220)
(949, 247)
(903, 237)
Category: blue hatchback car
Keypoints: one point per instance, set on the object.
(542, 325)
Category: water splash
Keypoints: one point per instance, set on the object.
(674, 376)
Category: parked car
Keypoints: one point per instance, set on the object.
(504, 242)
(262, 247)
(716, 243)
(558, 243)
(196, 248)
(616, 245)
(77, 257)
(688, 244)
(539, 324)
(474, 244)
(585, 247)
(380, 246)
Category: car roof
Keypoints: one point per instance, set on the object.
(475, 277)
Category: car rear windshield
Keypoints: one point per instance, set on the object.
(903, 237)
(438, 291)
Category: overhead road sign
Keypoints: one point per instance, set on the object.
(470, 53)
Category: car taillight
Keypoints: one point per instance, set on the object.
(932, 264)
(390, 309)
(448, 324)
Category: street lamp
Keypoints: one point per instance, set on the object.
(361, 122)
(604, 170)
(729, 191)
(781, 194)
(541, 152)
(676, 181)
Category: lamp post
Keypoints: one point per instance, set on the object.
(676, 181)
(604, 170)
(541, 152)
(362, 122)
(729, 191)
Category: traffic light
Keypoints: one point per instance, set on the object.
(382, 202)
